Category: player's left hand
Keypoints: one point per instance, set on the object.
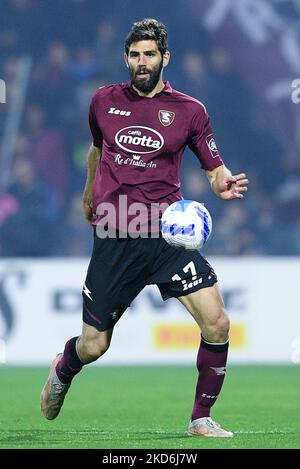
(232, 187)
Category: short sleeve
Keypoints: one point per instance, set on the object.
(201, 140)
(95, 129)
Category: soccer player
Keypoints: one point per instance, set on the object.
(140, 130)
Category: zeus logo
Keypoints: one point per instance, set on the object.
(87, 292)
(118, 112)
(296, 93)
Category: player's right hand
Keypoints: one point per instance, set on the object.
(87, 206)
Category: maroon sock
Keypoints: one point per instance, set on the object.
(211, 364)
(70, 364)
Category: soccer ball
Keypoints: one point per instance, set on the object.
(186, 224)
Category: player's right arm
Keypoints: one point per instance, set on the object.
(93, 158)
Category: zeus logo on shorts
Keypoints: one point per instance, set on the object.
(139, 139)
(87, 292)
(191, 268)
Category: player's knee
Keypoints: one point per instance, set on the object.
(223, 326)
(91, 350)
(218, 330)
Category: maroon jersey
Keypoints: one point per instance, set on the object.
(142, 141)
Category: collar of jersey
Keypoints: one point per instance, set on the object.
(167, 89)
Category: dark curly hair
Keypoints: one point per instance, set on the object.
(148, 29)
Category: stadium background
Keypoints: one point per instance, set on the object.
(239, 58)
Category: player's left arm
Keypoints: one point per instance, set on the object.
(226, 185)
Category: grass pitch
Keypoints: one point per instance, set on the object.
(149, 407)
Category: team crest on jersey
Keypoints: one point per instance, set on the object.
(166, 117)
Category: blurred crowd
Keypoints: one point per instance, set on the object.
(75, 46)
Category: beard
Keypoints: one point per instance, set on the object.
(146, 85)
